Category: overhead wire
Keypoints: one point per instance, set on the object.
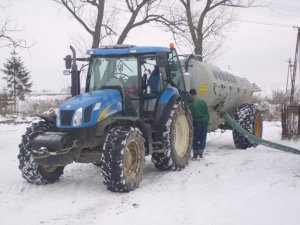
(286, 7)
(274, 14)
(266, 24)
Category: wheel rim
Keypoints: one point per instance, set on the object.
(131, 160)
(49, 169)
(258, 126)
(181, 141)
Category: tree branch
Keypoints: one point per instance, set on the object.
(135, 9)
(6, 34)
(72, 8)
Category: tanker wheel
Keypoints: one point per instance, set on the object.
(249, 118)
(32, 172)
(177, 141)
(123, 158)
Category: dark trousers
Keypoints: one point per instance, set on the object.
(200, 134)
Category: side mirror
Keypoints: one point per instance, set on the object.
(67, 72)
(68, 62)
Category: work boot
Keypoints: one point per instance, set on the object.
(195, 154)
(201, 153)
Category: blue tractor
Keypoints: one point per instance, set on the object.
(134, 105)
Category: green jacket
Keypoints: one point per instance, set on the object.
(199, 110)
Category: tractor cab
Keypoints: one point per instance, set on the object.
(141, 74)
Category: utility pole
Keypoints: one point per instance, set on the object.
(288, 116)
(293, 78)
(289, 74)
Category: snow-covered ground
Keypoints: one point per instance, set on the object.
(229, 187)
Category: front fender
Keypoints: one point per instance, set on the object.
(49, 118)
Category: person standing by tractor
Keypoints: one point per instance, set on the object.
(200, 116)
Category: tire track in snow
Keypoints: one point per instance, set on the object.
(77, 174)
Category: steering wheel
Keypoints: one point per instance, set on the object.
(121, 76)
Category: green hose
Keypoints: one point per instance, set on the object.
(255, 139)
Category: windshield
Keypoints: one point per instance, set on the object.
(119, 71)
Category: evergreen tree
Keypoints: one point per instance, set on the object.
(17, 77)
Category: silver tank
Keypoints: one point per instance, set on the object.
(217, 88)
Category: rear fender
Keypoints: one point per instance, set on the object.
(164, 107)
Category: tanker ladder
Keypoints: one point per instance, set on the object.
(255, 139)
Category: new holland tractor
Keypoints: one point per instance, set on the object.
(134, 105)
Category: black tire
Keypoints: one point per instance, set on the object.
(32, 172)
(123, 158)
(177, 141)
(249, 117)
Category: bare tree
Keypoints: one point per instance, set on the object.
(7, 33)
(91, 25)
(278, 96)
(8, 29)
(146, 8)
(99, 22)
(201, 24)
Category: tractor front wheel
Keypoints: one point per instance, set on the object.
(123, 158)
(32, 172)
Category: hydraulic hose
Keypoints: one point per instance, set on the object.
(255, 139)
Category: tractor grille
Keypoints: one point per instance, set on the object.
(66, 117)
(88, 114)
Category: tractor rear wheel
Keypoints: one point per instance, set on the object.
(249, 117)
(123, 158)
(32, 172)
(177, 141)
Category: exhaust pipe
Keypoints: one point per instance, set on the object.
(75, 88)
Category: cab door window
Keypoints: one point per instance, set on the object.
(175, 70)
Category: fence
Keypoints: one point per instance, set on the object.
(290, 121)
(6, 104)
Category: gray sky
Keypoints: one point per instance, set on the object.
(257, 46)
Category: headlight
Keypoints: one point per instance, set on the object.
(77, 119)
(58, 118)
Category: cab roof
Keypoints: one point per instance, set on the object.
(126, 50)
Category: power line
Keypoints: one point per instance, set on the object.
(275, 14)
(266, 24)
(286, 7)
(263, 29)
